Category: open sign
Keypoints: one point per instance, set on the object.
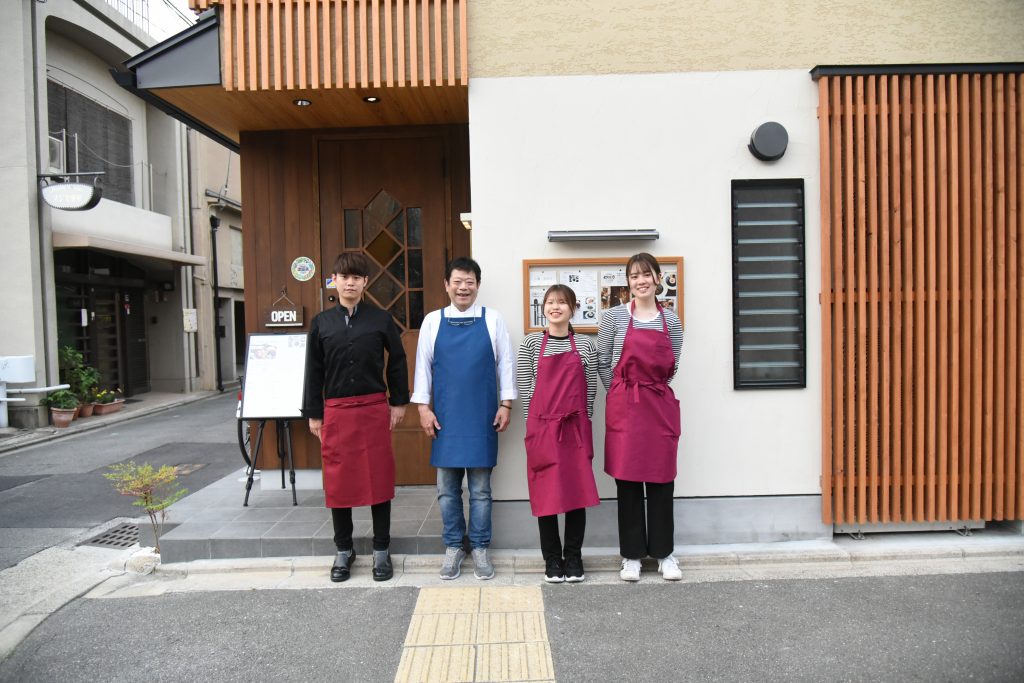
(283, 317)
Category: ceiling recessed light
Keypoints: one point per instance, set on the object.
(302, 103)
(372, 99)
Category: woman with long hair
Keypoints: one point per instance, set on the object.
(638, 346)
(557, 381)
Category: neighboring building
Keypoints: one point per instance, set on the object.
(215, 192)
(888, 396)
(112, 281)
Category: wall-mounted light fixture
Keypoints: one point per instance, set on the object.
(467, 220)
(768, 142)
(601, 235)
(60, 191)
(371, 99)
(301, 102)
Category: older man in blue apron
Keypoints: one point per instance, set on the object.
(465, 368)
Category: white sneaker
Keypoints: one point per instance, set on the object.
(630, 570)
(669, 569)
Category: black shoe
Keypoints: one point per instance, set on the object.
(342, 565)
(382, 569)
(553, 571)
(574, 569)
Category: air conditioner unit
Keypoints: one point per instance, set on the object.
(58, 159)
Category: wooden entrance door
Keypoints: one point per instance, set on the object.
(387, 199)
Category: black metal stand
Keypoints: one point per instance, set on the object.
(284, 450)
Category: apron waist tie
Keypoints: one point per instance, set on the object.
(562, 418)
(656, 387)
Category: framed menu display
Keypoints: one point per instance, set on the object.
(599, 284)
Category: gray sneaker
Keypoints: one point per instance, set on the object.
(451, 568)
(483, 569)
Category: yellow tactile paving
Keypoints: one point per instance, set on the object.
(514, 662)
(442, 629)
(449, 664)
(477, 634)
(511, 599)
(448, 601)
(511, 627)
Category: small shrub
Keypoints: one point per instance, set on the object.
(154, 490)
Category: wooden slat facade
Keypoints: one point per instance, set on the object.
(922, 343)
(321, 44)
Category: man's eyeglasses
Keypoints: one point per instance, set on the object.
(461, 322)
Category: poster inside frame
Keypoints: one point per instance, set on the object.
(599, 283)
(275, 369)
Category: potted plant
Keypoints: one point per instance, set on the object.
(62, 405)
(84, 379)
(108, 401)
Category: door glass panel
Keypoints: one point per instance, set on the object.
(371, 228)
(384, 289)
(397, 227)
(415, 220)
(415, 309)
(397, 268)
(382, 208)
(352, 226)
(398, 311)
(383, 248)
(415, 268)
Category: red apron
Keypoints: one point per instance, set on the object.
(642, 434)
(359, 467)
(559, 442)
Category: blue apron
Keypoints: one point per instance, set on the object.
(465, 394)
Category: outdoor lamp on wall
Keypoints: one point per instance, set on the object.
(61, 191)
(768, 142)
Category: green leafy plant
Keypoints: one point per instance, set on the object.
(84, 379)
(154, 490)
(62, 399)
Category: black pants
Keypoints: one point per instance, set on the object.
(342, 518)
(640, 535)
(575, 528)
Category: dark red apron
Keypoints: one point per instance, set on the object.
(642, 434)
(359, 467)
(559, 441)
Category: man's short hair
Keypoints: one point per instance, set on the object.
(351, 263)
(462, 263)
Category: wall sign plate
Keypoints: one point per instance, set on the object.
(303, 269)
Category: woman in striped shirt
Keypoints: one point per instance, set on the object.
(557, 381)
(638, 347)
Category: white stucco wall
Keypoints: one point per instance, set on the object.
(654, 151)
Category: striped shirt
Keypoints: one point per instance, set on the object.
(611, 334)
(526, 365)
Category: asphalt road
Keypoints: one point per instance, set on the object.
(911, 628)
(55, 491)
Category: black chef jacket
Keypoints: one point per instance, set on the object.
(345, 357)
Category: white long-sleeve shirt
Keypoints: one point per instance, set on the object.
(505, 360)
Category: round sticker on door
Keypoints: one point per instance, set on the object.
(303, 268)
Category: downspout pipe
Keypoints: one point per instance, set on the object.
(214, 224)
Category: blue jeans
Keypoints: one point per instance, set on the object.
(449, 500)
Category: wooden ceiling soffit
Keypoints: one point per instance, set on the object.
(341, 44)
(245, 63)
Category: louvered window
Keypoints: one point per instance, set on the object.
(769, 302)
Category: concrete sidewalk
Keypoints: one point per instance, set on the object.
(44, 583)
(12, 439)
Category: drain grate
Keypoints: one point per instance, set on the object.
(121, 536)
